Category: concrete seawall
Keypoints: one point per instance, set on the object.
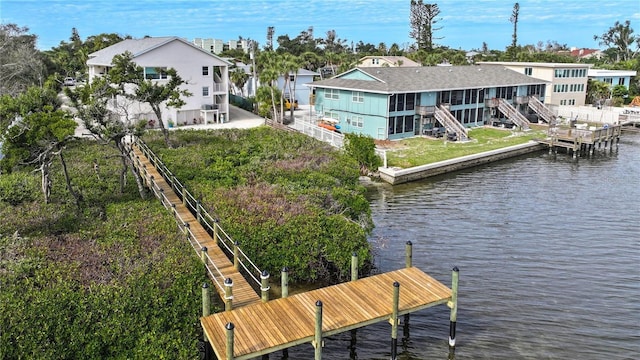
(398, 176)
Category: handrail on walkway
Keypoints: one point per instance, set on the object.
(211, 225)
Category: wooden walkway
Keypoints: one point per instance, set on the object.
(243, 293)
(278, 324)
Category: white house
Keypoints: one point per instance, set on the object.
(568, 80)
(206, 77)
(302, 93)
(383, 60)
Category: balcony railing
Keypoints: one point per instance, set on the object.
(425, 110)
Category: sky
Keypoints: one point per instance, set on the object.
(464, 24)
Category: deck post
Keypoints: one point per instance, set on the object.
(394, 321)
(236, 257)
(186, 230)
(264, 285)
(203, 255)
(454, 307)
(317, 342)
(284, 282)
(206, 300)
(354, 266)
(228, 294)
(229, 328)
(198, 216)
(408, 254)
(215, 230)
(184, 196)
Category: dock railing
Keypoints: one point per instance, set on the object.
(241, 261)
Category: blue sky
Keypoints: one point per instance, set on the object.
(465, 24)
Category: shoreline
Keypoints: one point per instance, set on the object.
(395, 176)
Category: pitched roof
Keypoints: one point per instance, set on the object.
(138, 47)
(401, 61)
(389, 80)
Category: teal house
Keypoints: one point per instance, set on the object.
(613, 77)
(400, 102)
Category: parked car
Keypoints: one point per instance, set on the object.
(287, 104)
(69, 81)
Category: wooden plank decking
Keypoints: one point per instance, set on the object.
(278, 324)
(243, 293)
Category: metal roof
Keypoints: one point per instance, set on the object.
(390, 80)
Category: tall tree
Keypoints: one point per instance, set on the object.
(21, 64)
(105, 122)
(423, 17)
(131, 81)
(620, 37)
(37, 134)
(514, 19)
(269, 72)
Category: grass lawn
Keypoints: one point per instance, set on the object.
(420, 150)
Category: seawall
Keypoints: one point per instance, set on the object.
(398, 176)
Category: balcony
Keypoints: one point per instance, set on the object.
(425, 110)
(521, 100)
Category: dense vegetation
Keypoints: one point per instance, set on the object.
(111, 279)
(288, 199)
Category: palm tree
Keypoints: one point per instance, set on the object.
(238, 77)
(269, 74)
(290, 65)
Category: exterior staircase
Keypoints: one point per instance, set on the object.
(451, 123)
(539, 108)
(512, 114)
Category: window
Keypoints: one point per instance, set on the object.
(621, 81)
(528, 71)
(400, 105)
(456, 97)
(357, 121)
(411, 101)
(155, 73)
(332, 115)
(608, 80)
(357, 96)
(205, 71)
(332, 94)
(292, 78)
(408, 123)
(375, 61)
(205, 91)
(392, 103)
(445, 97)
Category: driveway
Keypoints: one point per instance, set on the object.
(238, 119)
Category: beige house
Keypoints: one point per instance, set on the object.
(387, 61)
(568, 81)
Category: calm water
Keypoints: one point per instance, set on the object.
(549, 258)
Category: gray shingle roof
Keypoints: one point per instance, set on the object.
(391, 80)
(136, 47)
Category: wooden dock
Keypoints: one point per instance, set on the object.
(263, 328)
(582, 140)
(220, 267)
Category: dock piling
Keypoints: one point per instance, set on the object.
(454, 307)
(264, 285)
(228, 294)
(206, 300)
(229, 328)
(394, 320)
(317, 342)
(284, 282)
(354, 266)
(408, 254)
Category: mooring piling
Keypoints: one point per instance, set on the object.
(264, 285)
(454, 307)
(394, 320)
(317, 342)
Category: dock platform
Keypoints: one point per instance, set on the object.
(263, 328)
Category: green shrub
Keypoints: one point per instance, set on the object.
(285, 197)
(16, 188)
